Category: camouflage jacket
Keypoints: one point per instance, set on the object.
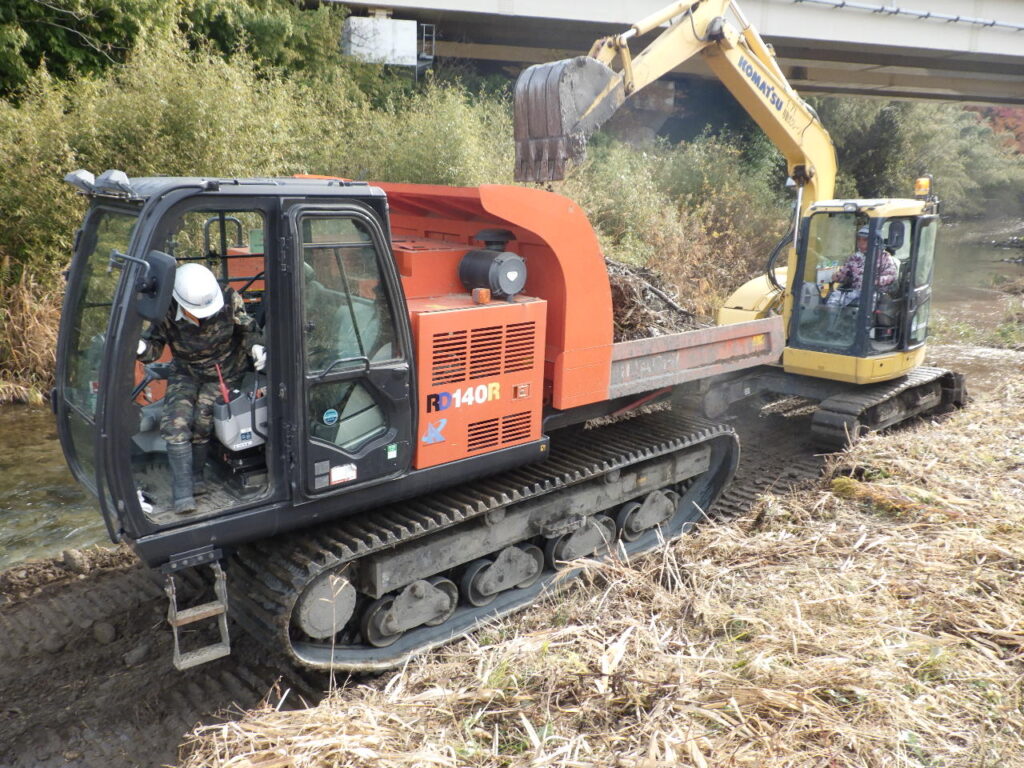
(225, 338)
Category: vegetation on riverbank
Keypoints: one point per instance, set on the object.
(171, 110)
(1004, 328)
(873, 620)
(189, 87)
(1006, 333)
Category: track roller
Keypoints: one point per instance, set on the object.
(471, 584)
(597, 531)
(515, 566)
(422, 602)
(634, 518)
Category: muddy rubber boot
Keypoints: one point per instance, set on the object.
(199, 453)
(179, 458)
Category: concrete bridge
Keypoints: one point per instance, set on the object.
(950, 50)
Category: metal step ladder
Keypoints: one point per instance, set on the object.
(215, 609)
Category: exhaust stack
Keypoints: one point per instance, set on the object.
(557, 106)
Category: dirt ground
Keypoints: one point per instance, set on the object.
(85, 667)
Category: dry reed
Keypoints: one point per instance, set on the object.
(29, 315)
(874, 620)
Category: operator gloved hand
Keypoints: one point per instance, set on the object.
(139, 350)
(259, 356)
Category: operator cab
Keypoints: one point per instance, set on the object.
(863, 277)
(334, 418)
(328, 414)
(228, 237)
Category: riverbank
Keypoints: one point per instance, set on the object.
(874, 619)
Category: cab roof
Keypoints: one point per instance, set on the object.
(874, 208)
(146, 187)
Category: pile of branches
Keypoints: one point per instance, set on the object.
(644, 305)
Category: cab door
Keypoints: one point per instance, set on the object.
(919, 293)
(354, 420)
(93, 302)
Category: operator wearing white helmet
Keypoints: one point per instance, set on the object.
(205, 327)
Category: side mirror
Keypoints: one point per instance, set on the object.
(897, 234)
(155, 286)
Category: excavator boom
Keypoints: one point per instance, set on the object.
(559, 104)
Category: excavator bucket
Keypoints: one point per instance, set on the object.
(557, 106)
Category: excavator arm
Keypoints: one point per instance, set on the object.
(559, 104)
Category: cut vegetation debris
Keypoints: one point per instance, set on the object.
(874, 620)
(645, 305)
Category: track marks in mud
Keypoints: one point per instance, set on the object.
(86, 678)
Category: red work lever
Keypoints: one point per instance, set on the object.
(223, 386)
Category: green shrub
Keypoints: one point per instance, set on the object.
(80, 37)
(171, 110)
(39, 209)
(439, 135)
(699, 213)
(883, 146)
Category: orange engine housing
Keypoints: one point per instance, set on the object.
(479, 369)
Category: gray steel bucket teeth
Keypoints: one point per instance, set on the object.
(557, 106)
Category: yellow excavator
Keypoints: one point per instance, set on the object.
(855, 292)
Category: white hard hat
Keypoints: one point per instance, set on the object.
(196, 290)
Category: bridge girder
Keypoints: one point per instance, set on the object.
(822, 49)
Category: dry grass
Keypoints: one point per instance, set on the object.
(29, 317)
(1014, 287)
(876, 620)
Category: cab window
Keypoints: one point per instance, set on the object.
(347, 327)
(345, 316)
(826, 314)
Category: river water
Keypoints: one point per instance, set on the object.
(44, 511)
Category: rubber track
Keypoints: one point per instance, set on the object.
(266, 578)
(839, 416)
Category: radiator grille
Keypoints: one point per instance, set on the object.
(519, 343)
(492, 433)
(450, 357)
(483, 353)
(482, 435)
(515, 427)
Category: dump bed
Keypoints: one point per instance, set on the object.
(644, 365)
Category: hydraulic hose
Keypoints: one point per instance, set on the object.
(773, 257)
